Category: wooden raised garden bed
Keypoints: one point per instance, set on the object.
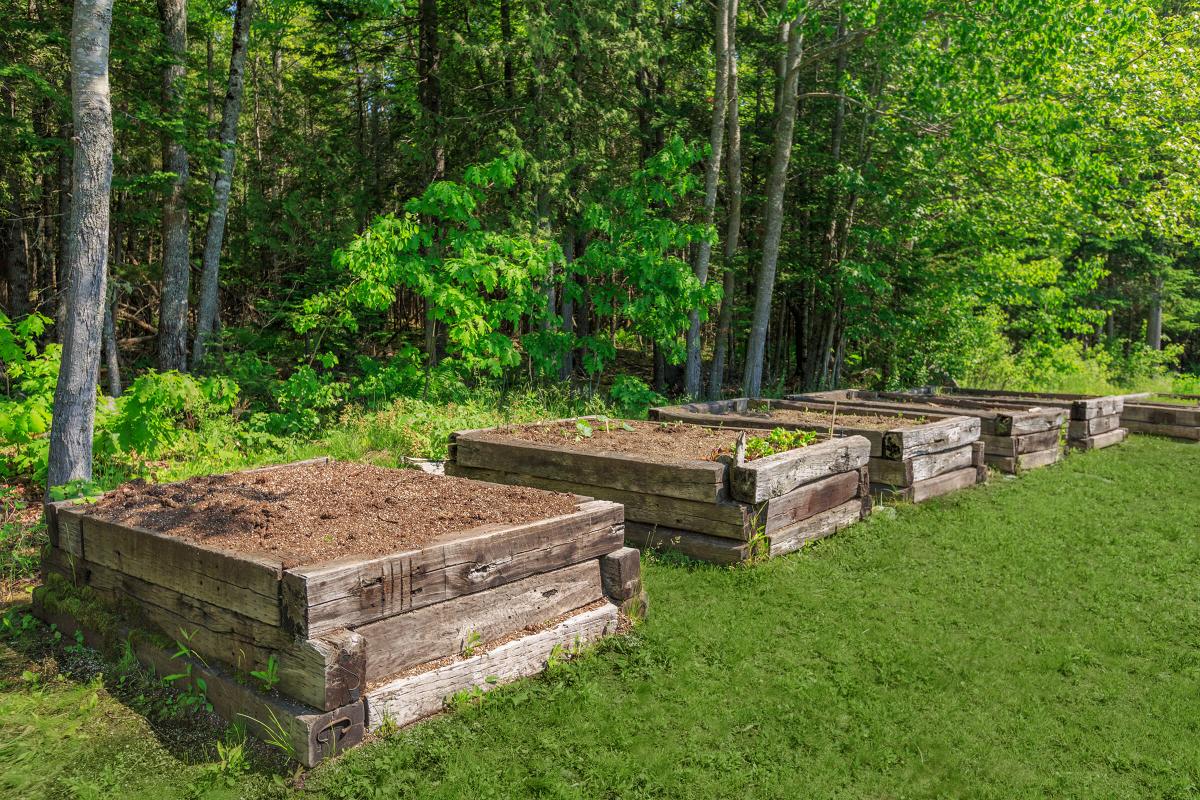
(1175, 416)
(370, 595)
(1094, 421)
(683, 486)
(1014, 439)
(913, 456)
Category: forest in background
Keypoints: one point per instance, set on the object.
(616, 200)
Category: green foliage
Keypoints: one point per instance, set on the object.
(268, 676)
(632, 397)
(30, 372)
(637, 265)
(778, 440)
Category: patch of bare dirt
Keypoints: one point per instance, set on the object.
(305, 514)
(660, 442)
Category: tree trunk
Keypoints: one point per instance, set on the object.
(75, 395)
(792, 35)
(712, 175)
(1154, 324)
(176, 269)
(429, 59)
(206, 319)
(716, 375)
(567, 365)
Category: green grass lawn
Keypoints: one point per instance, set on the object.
(1037, 637)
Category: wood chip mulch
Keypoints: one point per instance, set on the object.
(309, 513)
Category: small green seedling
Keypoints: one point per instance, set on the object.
(471, 644)
(268, 676)
(582, 430)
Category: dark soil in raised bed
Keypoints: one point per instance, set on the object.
(305, 514)
(660, 442)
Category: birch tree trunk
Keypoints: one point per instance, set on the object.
(87, 253)
(176, 269)
(206, 319)
(733, 223)
(792, 36)
(712, 175)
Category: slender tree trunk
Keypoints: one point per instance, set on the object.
(506, 36)
(1154, 324)
(176, 266)
(792, 36)
(64, 215)
(567, 366)
(716, 375)
(712, 175)
(16, 253)
(206, 319)
(75, 395)
(429, 59)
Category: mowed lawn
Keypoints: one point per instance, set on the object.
(1038, 637)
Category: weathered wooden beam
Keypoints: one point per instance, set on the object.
(931, 487)
(919, 468)
(1082, 428)
(1016, 445)
(811, 499)
(413, 697)
(714, 549)
(776, 475)
(353, 592)
(1163, 414)
(1099, 441)
(442, 630)
(1187, 433)
(727, 518)
(244, 582)
(1015, 465)
(690, 480)
(818, 526)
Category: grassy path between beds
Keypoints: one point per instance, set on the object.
(1037, 637)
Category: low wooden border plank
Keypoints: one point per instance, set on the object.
(1181, 432)
(1099, 441)
(811, 499)
(815, 527)
(713, 549)
(354, 592)
(414, 697)
(244, 582)
(690, 480)
(727, 518)
(444, 629)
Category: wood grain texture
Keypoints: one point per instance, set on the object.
(818, 526)
(811, 499)
(1015, 465)
(353, 592)
(727, 518)
(713, 549)
(621, 574)
(776, 475)
(414, 697)
(1187, 433)
(1016, 445)
(1161, 414)
(1099, 441)
(1082, 428)
(927, 489)
(438, 631)
(243, 582)
(919, 468)
(324, 674)
(689, 480)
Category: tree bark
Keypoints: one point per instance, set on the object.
(733, 223)
(206, 319)
(1154, 323)
(176, 267)
(75, 395)
(429, 60)
(792, 36)
(712, 175)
